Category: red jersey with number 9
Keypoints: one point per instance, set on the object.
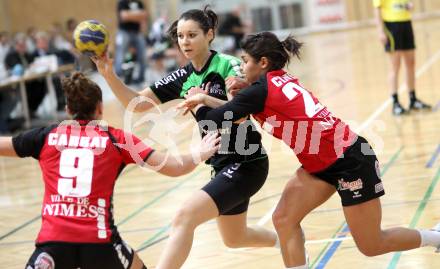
(293, 114)
(80, 165)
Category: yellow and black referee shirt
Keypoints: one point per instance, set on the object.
(393, 10)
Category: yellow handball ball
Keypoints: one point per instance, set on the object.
(91, 38)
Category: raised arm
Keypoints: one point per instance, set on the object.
(174, 167)
(248, 101)
(133, 15)
(6, 147)
(125, 94)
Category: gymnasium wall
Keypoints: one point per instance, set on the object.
(360, 10)
(18, 15)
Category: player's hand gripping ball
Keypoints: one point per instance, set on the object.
(91, 38)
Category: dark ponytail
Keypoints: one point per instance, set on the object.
(292, 46)
(206, 18)
(83, 96)
(267, 44)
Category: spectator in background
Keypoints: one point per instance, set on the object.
(4, 49)
(8, 100)
(30, 39)
(393, 19)
(16, 62)
(58, 40)
(7, 97)
(233, 26)
(132, 23)
(45, 47)
(71, 24)
(63, 57)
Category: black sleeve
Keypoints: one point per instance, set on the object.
(30, 143)
(10, 60)
(170, 87)
(248, 101)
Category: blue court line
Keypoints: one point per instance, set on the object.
(431, 161)
(332, 249)
(334, 246)
(417, 215)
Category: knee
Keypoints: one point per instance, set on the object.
(282, 220)
(279, 219)
(184, 218)
(234, 241)
(370, 249)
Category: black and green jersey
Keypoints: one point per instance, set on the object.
(239, 141)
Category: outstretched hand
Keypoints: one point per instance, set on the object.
(207, 147)
(104, 64)
(194, 97)
(204, 89)
(235, 84)
(191, 102)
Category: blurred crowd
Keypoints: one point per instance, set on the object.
(24, 52)
(142, 51)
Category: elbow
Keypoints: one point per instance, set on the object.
(139, 106)
(174, 172)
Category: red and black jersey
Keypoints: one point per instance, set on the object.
(291, 113)
(80, 164)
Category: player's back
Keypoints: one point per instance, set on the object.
(293, 114)
(80, 164)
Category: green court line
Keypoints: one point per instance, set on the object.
(326, 245)
(382, 173)
(146, 243)
(391, 162)
(16, 229)
(163, 194)
(418, 214)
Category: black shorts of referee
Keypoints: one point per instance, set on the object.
(400, 36)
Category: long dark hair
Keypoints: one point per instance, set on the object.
(206, 18)
(83, 96)
(267, 44)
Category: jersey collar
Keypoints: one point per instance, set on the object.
(206, 66)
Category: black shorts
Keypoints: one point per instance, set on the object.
(117, 255)
(356, 175)
(233, 185)
(400, 36)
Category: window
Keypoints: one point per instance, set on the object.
(291, 16)
(262, 19)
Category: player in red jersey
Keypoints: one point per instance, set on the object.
(80, 162)
(333, 157)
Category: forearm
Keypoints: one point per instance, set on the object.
(6, 147)
(133, 16)
(125, 94)
(186, 166)
(213, 102)
(175, 167)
